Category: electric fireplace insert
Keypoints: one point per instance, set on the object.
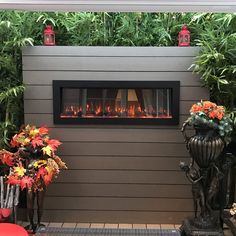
(116, 102)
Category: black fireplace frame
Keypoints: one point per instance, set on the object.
(59, 84)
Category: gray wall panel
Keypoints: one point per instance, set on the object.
(117, 135)
(119, 190)
(118, 204)
(110, 51)
(123, 149)
(46, 77)
(123, 162)
(107, 63)
(117, 173)
(122, 176)
(152, 217)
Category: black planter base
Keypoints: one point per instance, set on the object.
(187, 229)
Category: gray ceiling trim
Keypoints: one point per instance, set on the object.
(122, 5)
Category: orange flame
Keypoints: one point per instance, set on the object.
(98, 110)
(134, 110)
(131, 110)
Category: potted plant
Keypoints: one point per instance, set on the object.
(213, 128)
(34, 165)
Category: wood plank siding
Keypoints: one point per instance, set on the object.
(117, 173)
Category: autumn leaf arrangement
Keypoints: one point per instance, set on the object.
(34, 164)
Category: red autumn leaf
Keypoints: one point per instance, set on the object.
(37, 142)
(53, 143)
(41, 172)
(7, 159)
(13, 142)
(12, 180)
(43, 130)
(47, 179)
(26, 182)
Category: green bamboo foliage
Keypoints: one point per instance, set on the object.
(112, 29)
(215, 33)
(216, 62)
(12, 39)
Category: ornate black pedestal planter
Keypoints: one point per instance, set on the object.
(205, 175)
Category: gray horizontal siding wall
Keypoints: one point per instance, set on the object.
(117, 173)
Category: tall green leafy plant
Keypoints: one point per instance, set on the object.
(9, 103)
(216, 62)
(11, 88)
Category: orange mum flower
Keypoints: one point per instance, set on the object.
(196, 108)
(209, 105)
(212, 114)
(220, 115)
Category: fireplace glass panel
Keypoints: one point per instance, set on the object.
(116, 103)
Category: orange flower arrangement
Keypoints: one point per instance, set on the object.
(34, 165)
(208, 114)
(210, 109)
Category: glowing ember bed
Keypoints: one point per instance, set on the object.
(116, 102)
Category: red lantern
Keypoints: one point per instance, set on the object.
(184, 37)
(49, 36)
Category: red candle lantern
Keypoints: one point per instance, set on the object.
(49, 36)
(184, 37)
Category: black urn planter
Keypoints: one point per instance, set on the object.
(203, 172)
(205, 146)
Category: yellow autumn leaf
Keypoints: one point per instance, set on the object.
(20, 171)
(28, 127)
(40, 163)
(26, 141)
(47, 150)
(33, 132)
(21, 139)
(49, 170)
